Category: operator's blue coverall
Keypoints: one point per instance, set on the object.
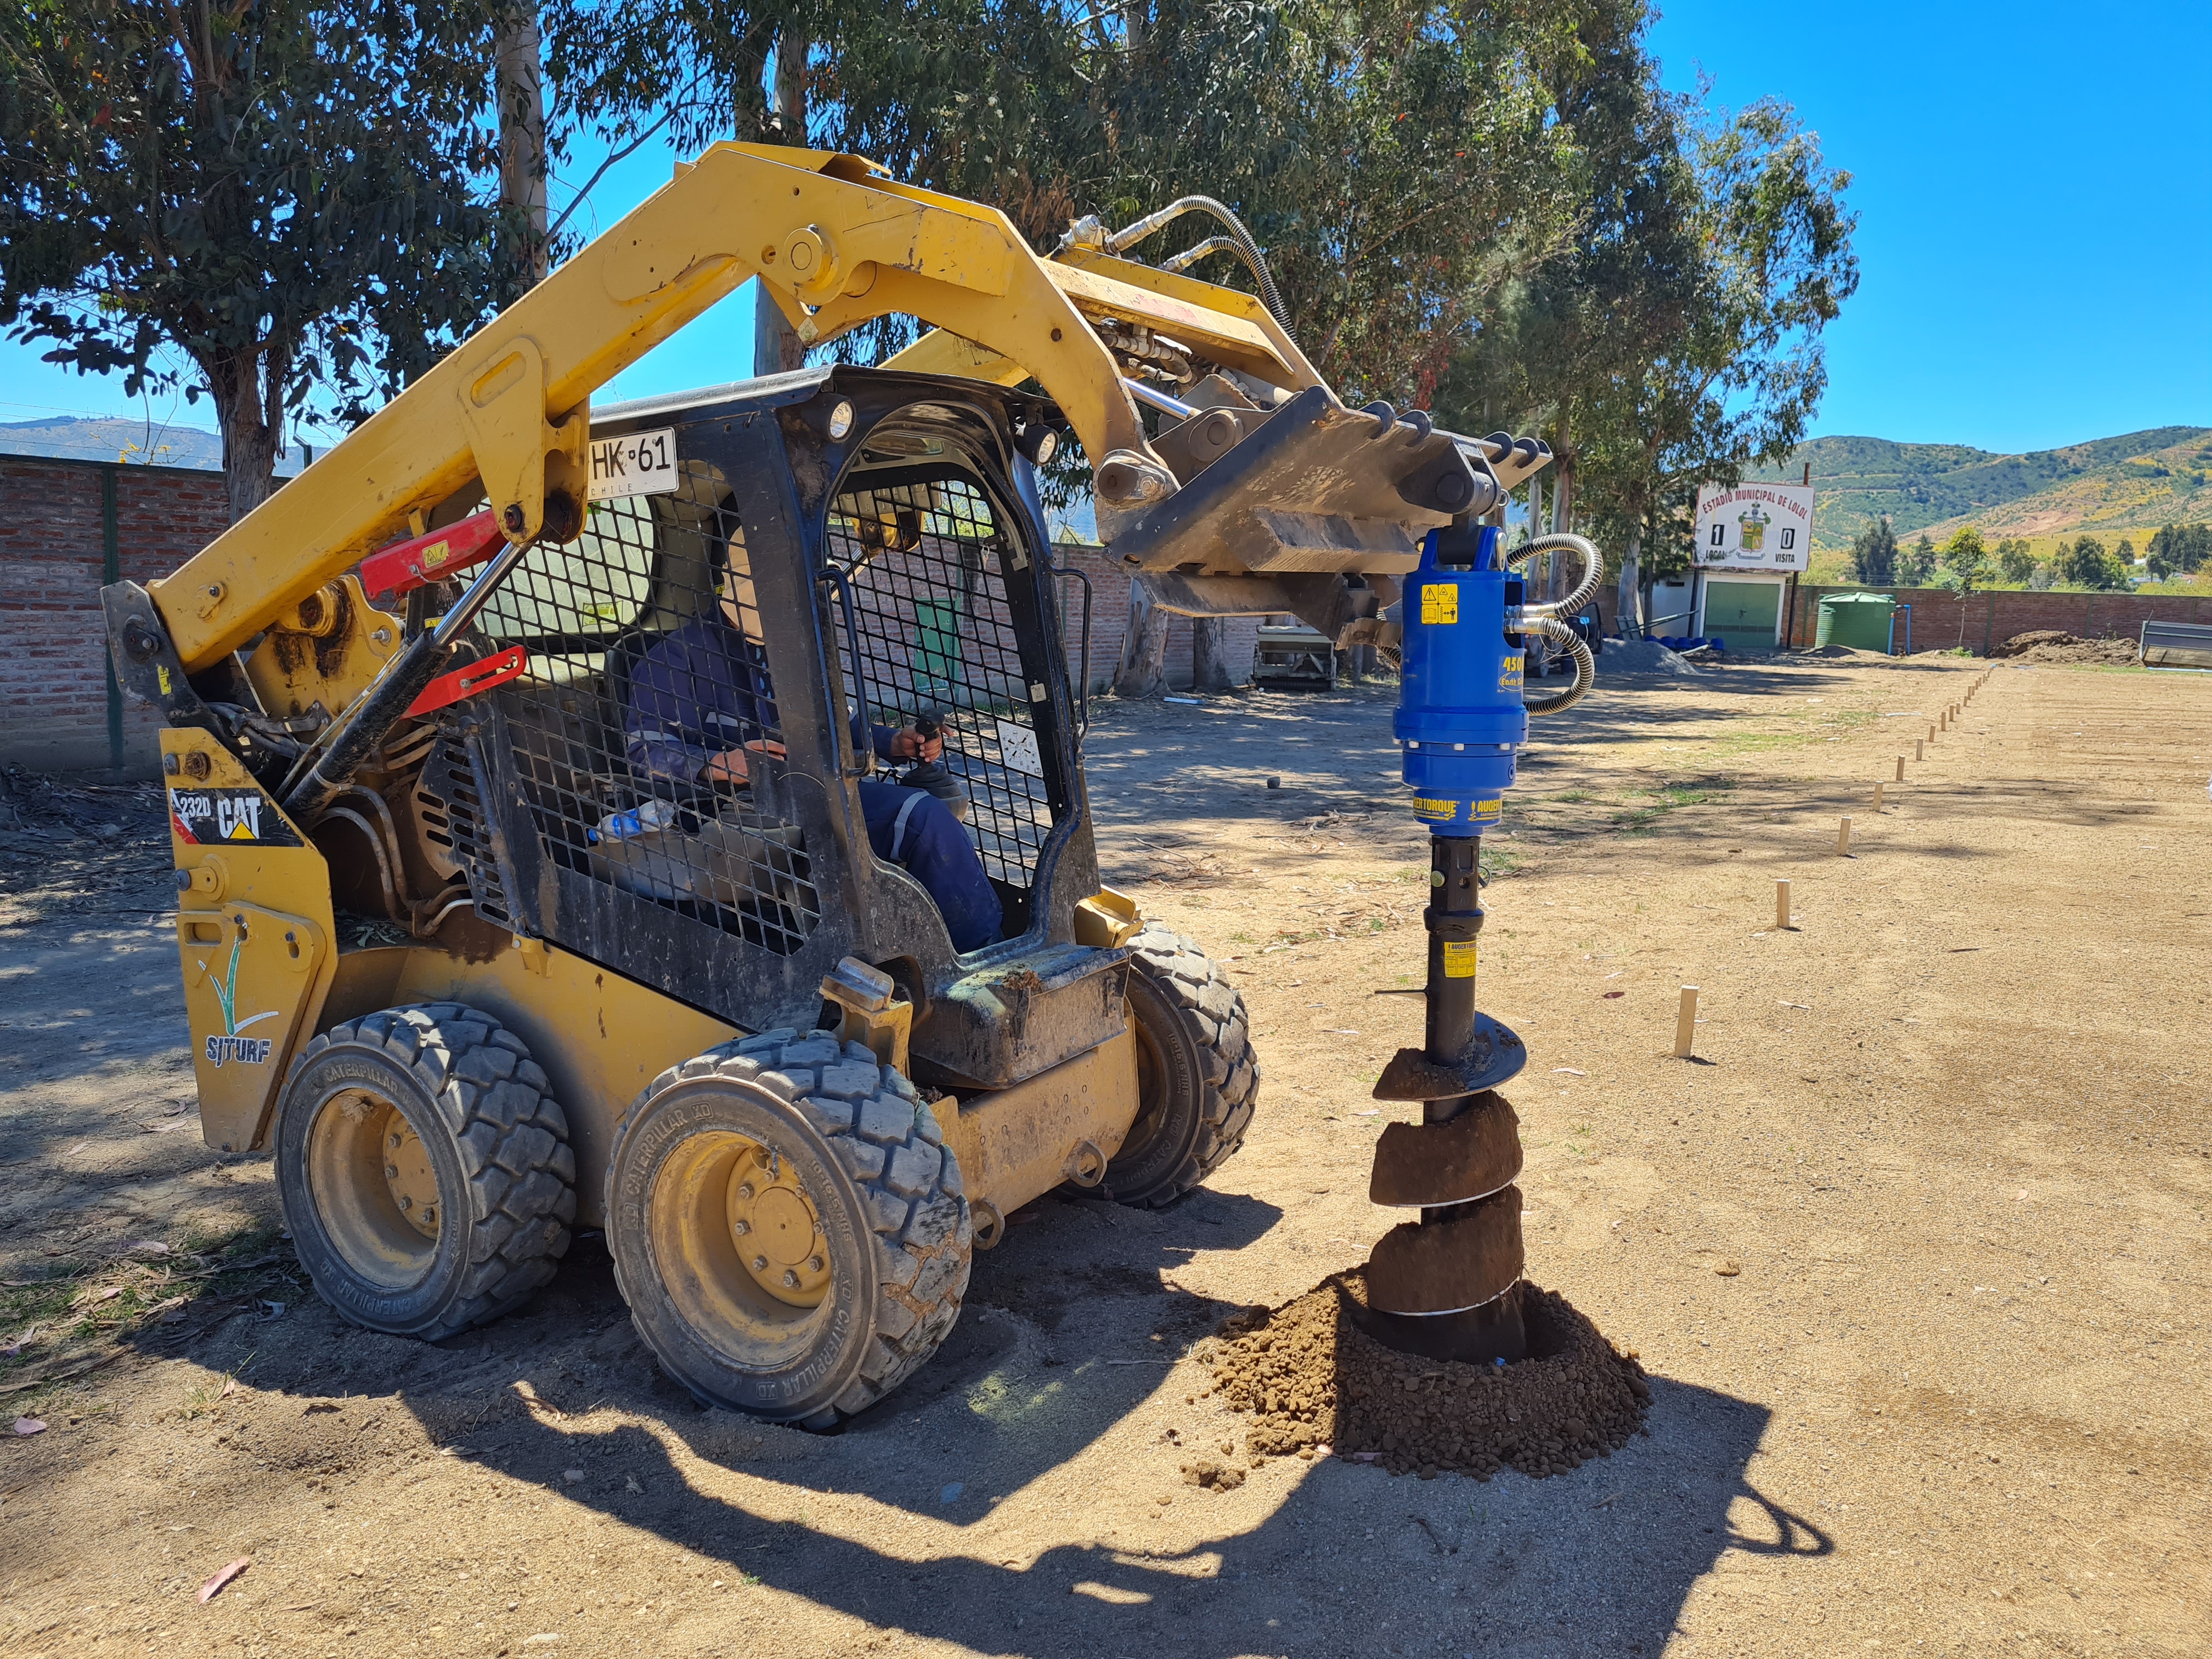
(704, 688)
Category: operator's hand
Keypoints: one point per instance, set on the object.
(728, 767)
(731, 766)
(908, 744)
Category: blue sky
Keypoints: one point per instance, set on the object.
(2033, 182)
(2034, 189)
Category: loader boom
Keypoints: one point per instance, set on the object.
(837, 245)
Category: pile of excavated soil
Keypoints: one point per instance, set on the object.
(1312, 1379)
(2057, 645)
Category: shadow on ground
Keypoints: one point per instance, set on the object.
(1054, 1351)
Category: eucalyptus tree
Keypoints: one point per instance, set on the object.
(260, 204)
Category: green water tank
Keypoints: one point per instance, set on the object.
(1860, 621)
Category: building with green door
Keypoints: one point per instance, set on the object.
(1742, 609)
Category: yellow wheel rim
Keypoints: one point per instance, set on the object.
(373, 1188)
(778, 1235)
(739, 1245)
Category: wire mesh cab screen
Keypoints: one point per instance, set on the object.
(928, 553)
(646, 737)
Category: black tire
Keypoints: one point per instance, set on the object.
(1197, 1078)
(481, 1136)
(895, 1241)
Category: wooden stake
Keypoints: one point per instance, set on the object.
(1877, 794)
(1919, 750)
(1782, 905)
(1900, 770)
(1844, 837)
(1686, 1023)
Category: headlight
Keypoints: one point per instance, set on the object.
(1040, 443)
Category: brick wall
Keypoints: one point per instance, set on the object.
(53, 654)
(1109, 624)
(1942, 621)
(53, 658)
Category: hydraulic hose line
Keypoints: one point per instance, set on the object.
(1561, 542)
(1559, 633)
(1248, 250)
(1206, 250)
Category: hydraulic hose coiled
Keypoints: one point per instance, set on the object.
(1559, 633)
(1561, 542)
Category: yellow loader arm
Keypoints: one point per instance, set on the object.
(837, 245)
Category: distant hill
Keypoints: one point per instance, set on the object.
(2138, 481)
(114, 439)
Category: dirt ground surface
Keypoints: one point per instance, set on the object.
(1948, 1132)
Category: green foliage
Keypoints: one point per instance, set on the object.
(1874, 554)
(2015, 564)
(1359, 141)
(1916, 566)
(281, 196)
(2086, 564)
(2177, 550)
(1966, 560)
(1731, 368)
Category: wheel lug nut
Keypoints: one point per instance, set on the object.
(406, 1203)
(395, 1138)
(741, 1228)
(430, 1214)
(790, 1279)
(815, 1264)
(390, 1170)
(746, 1191)
(760, 1264)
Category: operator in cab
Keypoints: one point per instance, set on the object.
(701, 705)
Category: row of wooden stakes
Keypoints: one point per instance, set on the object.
(1685, 1016)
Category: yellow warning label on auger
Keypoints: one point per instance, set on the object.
(1458, 958)
(1440, 602)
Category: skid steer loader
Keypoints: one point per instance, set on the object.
(480, 958)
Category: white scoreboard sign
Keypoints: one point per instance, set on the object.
(1754, 526)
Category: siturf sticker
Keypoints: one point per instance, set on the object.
(246, 816)
(1440, 602)
(251, 1051)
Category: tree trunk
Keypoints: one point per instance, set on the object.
(252, 420)
(751, 118)
(1144, 668)
(776, 348)
(519, 58)
(792, 48)
(1628, 605)
(1563, 479)
(1209, 654)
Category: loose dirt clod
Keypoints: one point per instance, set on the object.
(1309, 1376)
(1215, 1477)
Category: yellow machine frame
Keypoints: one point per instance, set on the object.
(836, 243)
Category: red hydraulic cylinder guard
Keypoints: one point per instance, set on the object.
(431, 557)
(466, 682)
